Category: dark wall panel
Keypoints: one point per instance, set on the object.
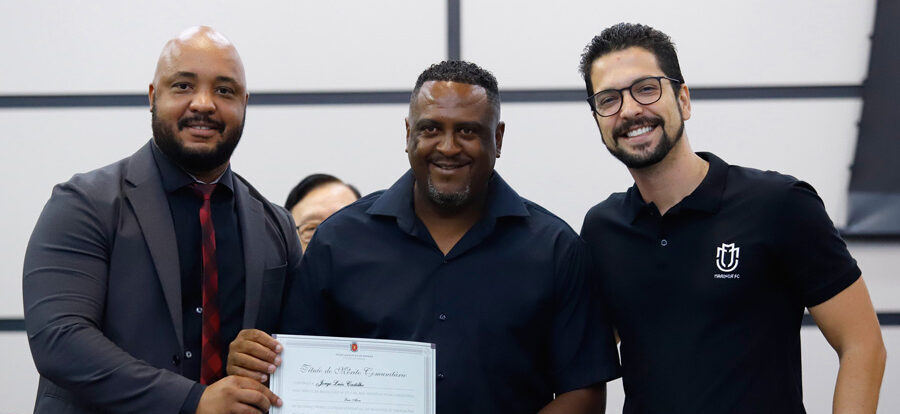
(874, 199)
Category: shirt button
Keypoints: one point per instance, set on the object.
(176, 360)
(188, 354)
(198, 309)
(663, 242)
(440, 375)
(442, 317)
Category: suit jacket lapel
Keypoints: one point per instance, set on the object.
(145, 193)
(253, 232)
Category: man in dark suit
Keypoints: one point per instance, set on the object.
(139, 274)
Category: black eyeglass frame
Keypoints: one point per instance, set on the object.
(621, 92)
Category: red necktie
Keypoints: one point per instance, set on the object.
(211, 347)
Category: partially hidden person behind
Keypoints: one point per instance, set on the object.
(315, 198)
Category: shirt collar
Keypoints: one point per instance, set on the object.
(706, 197)
(397, 201)
(174, 177)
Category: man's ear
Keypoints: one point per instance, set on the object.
(498, 136)
(151, 96)
(684, 101)
(406, 121)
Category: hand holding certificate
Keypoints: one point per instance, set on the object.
(352, 375)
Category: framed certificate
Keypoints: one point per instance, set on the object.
(323, 374)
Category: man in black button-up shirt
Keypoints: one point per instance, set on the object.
(112, 275)
(451, 255)
(707, 267)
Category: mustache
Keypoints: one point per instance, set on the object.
(184, 122)
(637, 122)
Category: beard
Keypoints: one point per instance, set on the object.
(640, 159)
(448, 200)
(191, 160)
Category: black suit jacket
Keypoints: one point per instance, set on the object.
(102, 288)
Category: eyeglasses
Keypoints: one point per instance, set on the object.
(644, 91)
(306, 230)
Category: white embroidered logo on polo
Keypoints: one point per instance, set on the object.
(727, 261)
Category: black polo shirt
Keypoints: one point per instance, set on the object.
(506, 307)
(708, 298)
(185, 207)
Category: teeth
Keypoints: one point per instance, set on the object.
(639, 131)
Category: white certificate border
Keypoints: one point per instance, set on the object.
(337, 342)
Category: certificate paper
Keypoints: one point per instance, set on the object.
(329, 375)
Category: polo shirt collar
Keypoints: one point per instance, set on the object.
(397, 201)
(174, 177)
(706, 197)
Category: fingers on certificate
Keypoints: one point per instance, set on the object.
(238, 395)
(253, 354)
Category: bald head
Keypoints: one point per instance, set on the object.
(198, 100)
(202, 39)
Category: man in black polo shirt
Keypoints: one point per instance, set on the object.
(706, 267)
(451, 255)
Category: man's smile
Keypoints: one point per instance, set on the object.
(449, 166)
(201, 126)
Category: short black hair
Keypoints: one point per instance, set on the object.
(624, 35)
(460, 71)
(310, 183)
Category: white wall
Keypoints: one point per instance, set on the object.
(108, 46)
(723, 43)
(552, 152)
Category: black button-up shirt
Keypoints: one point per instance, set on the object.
(185, 207)
(708, 298)
(507, 307)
